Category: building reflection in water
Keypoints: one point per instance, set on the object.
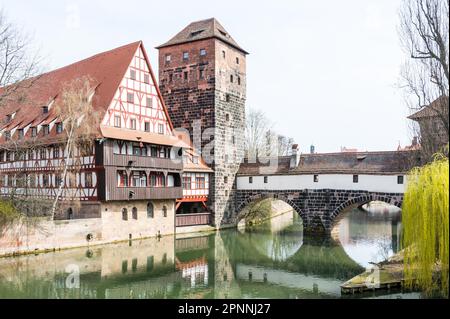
(273, 260)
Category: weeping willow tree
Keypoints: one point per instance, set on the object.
(425, 220)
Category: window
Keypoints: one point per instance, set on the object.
(250, 179)
(30, 154)
(161, 128)
(8, 118)
(21, 133)
(149, 210)
(59, 127)
(122, 179)
(8, 156)
(185, 75)
(147, 126)
(133, 74)
(45, 109)
(227, 117)
(239, 80)
(139, 179)
(170, 77)
(56, 152)
(133, 124)
(134, 213)
(237, 60)
(200, 182)
(154, 151)
(117, 121)
(7, 135)
(33, 131)
(164, 209)
(45, 180)
(168, 58)
(58, 180)
(231, 78)
(43, 153)
(150, 263)
(202, 52)
(45, 129)
(316, 178)
(185, 56)
(400, 179)
(227, 97)
(88, 179)
(266, 179)
(201, 73)
(355, 178)
(130, 97)
(225, 179)
(186, 182)
(146, 79)
(124, 214)
(139, 151)
(124, 265)
(223, 54)
(149, 102)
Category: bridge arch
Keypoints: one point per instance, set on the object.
(362, 200)
(242, 213)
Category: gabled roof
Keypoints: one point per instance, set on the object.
(106, 70)
(437, 107)
(201, 30)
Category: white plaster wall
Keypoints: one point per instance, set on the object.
(372, 183)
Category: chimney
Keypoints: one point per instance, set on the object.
(295, 156)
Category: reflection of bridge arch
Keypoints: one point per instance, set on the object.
(242, 209)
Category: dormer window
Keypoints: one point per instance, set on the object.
(21, 133)
(59, 127)
(45, 129)
(33, 131)
(7, 135)
(44, 109)
(8, 118)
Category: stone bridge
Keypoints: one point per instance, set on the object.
(321, 186)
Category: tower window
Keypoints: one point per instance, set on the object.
(237, 60)
(225, 179)
(223, 54)
(239, 80)
(168, 58)
(400, 179)
(227, 97)
(185, 56)
(146, 79)
(170, 77)
(201, 73)
(133, 74)
(227, 117)
(202, 52)
(231, 78)
(355, 178)
(185, 75)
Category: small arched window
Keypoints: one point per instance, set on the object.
(134, 212)
(149, 210)
(164, 211)
(124, 214)
(70, 213)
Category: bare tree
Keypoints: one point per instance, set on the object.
(424, 27)
(257, 126)
(19, 66)
(80, 124)
(285, 145)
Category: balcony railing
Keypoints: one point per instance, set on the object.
(144, 193)
(143, 161)
(192, 219)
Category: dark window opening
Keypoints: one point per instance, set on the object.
(124, 214)
(59, 127)
(164, 211)
(45, 109)
(316, 178)
(266, 179)
(250, 180)
(231, 78)
(147, 126)
(355, 178)
(400, 179)
(134, 213)
(149, 210)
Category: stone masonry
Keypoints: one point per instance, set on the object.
(202, 78)
(319, 209)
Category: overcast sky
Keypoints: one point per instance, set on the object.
(325, 72)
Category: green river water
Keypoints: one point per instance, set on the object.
(272, 260)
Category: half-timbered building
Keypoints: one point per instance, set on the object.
(130, 176)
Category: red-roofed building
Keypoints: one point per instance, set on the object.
(133, 170)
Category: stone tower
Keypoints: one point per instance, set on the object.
(203, 82)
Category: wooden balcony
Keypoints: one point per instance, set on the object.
(192, 219)
(143, 162)
(143, 193)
